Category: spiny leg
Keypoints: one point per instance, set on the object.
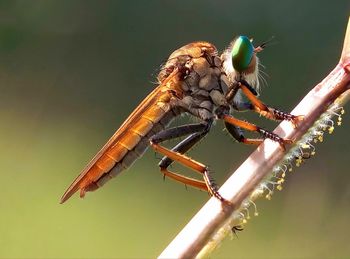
(263, 109)
(237, 133)
(251, 127)
(188, 181)
(183, 159)
(183, 147)
(192, 164)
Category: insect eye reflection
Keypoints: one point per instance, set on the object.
(242, 53)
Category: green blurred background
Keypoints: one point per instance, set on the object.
(72, 71)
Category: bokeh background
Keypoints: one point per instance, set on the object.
(72, 71)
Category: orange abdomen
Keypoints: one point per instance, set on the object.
(128, 144)
(131, 145)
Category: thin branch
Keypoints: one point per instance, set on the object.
(245, 185)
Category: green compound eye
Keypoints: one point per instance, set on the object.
(242, 53)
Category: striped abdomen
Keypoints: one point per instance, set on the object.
(132, 147)
(128, 143)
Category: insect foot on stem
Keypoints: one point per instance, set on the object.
(212, 187)
(294, 119)
(275, 137)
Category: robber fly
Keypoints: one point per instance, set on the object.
(197, 81)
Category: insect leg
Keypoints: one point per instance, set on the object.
(198, 132)
(175, 155)
(251, 127)
(237, 133)
(180, 131)
(183, 147)
(263, 109)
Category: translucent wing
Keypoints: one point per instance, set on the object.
(140, 121)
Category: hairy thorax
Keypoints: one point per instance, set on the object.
(203, 83)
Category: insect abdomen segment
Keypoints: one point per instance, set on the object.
(129, 144)
(132, 155)
(130, 147)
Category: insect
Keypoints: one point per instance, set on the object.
(198, 81)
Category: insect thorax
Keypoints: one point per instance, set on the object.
(204, 83)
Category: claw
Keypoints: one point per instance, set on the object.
(288, 141)
(280, 115)
(276, 138)
(284, 142)
(296, 120)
